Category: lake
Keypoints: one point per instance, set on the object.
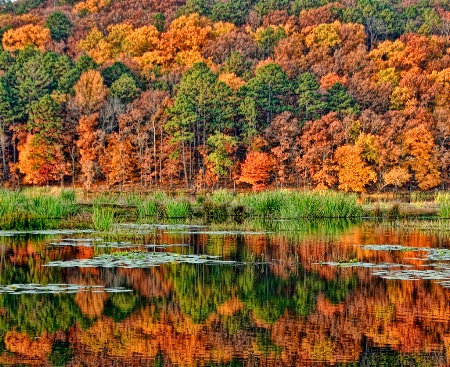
(281, 293)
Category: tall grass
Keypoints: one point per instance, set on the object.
(293, 204)
(102, 217)
(178, 208)
(29, 209)
(443, 199)
(151, 208)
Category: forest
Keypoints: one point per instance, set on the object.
(200, 94)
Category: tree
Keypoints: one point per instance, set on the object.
(59, 25)
(17, 39)
(353, 173)
(88, 144)
(41, 157)
(90, 92)
(419, 145)
(256, 170)
(338, 100)
(282, 134)
(268, 89)
(219, 159)
(310, 102)
(125, 88)
(397, 176)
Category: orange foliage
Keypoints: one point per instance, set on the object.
(329, 80)
(88, 145)
(39, 161)
(353, 173)
(17, 39)
(419, 144)
(90, 6)
(256, 170)
(232, 80)
(90, 92)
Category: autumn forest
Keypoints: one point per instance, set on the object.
(352, 95)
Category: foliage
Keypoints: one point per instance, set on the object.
(181, 91)
(59, 25)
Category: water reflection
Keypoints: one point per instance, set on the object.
(286, 310)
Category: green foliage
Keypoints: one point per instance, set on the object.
(443, 199)
(30, 210)
(238, 64)
(269, 38)
(114, 72)
(267, 89)
(102, 217)
(338, 100)
(24, 6)
(310, 102)
(293, 204)
(215, 212)
(298, 5)
(125, 88)
(202, 7)
(59, 25)
(178, 208)
(233, 11)
(61, 354)
(264, 7)
(151, 208)
(158, 21)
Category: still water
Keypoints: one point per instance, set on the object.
(282, 294)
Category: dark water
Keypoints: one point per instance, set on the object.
(278, 305)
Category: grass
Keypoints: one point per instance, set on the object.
(443, 199)
(29, 209)
(285, 204)
(178, 208)
(102, 217)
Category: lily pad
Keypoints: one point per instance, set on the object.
(57, 288)
(140, 259)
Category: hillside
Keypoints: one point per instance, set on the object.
(352, 94)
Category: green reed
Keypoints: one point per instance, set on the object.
(285, 204)
(102, 217)
(443, 199)
(178, 208)
(28, 209)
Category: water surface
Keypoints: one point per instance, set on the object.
(280, 294)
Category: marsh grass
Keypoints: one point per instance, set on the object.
(30, 209)
(178, 208)
(102, 217)
(443, 199)
(306, 204)
(215, 212)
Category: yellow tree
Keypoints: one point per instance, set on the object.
(397, 176)
(17, 39)
(354, 174)
(90, 92)
(421, 158)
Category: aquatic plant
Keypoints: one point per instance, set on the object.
(140, 259)
(151, 209)
(443, 199)
(102, 217)
(215, 212)
(29, 209)
(178, 208)
(301, 204)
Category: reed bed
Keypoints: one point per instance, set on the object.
(285, 204)
(30, 209)
(102, 217)
(443, 199)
